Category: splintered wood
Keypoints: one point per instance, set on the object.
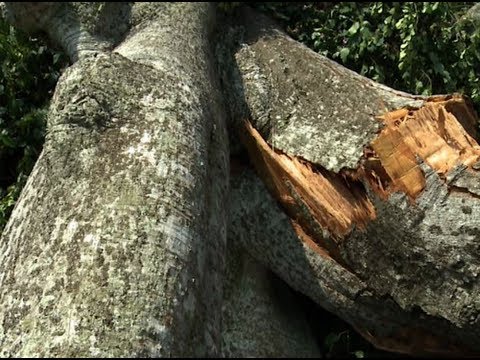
(310, 196)
(325, 207)
(431, 134)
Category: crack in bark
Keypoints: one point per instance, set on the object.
(453, 189)
(326, 207)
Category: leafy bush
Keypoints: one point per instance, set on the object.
(28, 73)
(421, 48)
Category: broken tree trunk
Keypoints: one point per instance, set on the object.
(380, 189)
(117, 244)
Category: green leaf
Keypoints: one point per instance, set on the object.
(56, 57)
(354, 28)
(344, 54)
(6, 140)
(399, 23)
(359, 354)
(330, 340)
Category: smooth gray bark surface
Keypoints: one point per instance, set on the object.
(261, 315)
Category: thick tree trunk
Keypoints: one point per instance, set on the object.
(261, 316)
(118, 244)
(380, 188)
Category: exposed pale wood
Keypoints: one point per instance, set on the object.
(404, 273)
(339, 202)
(309, 241)
(266, 233)
(431, 134)
(311, 196)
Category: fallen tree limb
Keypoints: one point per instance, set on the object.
(380, 187)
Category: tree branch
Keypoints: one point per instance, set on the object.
(365, 173)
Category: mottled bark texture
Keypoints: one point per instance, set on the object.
(116, 246)
(473, 14)
(118, 243)
(260, 318)
(380, 189)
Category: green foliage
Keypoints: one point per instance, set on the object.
(28, 73)
(422, 48)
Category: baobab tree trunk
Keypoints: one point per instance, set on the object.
(118, 243)
(260, 318)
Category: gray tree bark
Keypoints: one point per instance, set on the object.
(118, 244)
